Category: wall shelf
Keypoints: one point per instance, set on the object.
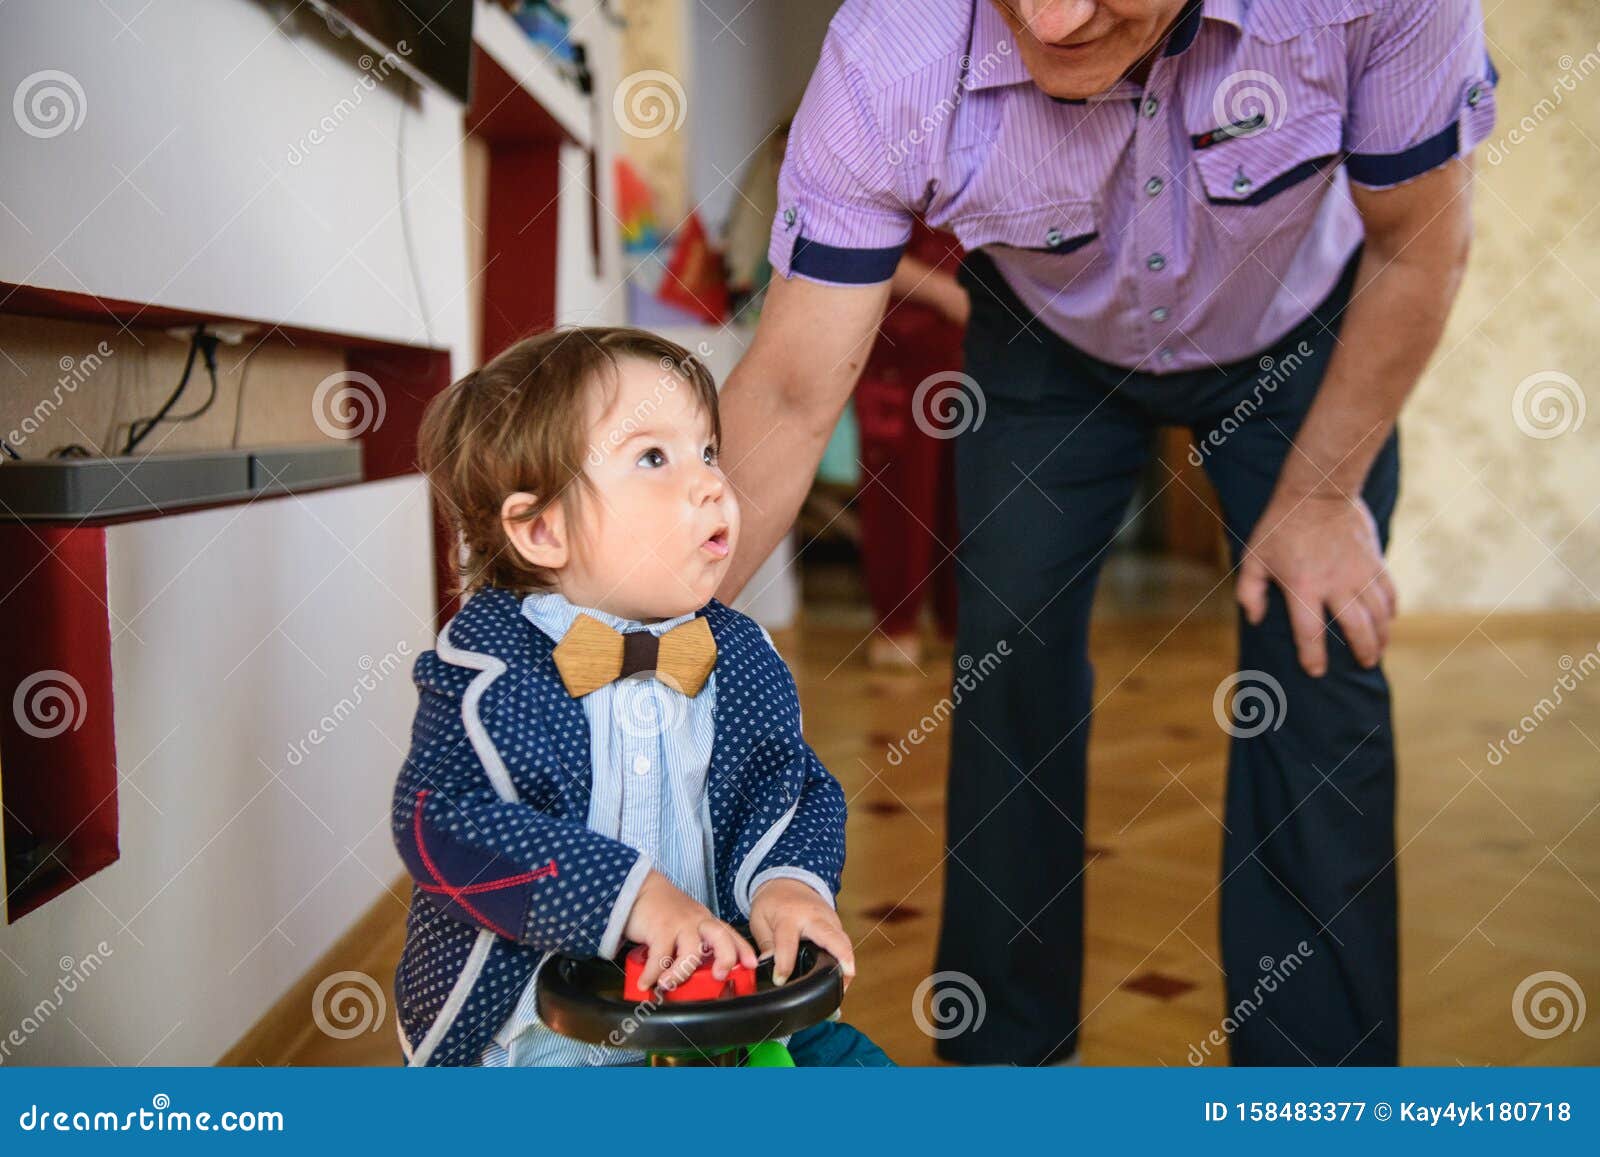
(536, 91)
(59, 783)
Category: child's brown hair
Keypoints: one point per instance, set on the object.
(521, 423)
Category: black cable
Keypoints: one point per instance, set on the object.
(405, 217)
(139, 429)
(208, 350)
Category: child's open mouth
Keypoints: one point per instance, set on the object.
(717, 544)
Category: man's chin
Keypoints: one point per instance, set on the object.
(1068, 80)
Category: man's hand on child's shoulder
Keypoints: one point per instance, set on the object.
(679, 932)
(785, 911)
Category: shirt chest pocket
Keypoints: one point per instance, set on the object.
(1049, 239)
(1270, 177)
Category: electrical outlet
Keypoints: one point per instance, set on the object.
(228, 334)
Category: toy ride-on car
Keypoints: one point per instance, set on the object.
(703, 1021)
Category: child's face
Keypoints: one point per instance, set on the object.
(654, 536)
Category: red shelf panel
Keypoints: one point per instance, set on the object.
(58, 756)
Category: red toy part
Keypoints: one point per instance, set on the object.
(701, 984)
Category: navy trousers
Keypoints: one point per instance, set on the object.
(1308, 896)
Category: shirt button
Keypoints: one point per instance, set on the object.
(1150, 106)
(641, 764)
(1474, 95)
(1156, 262)
(789, 215)
(1166, 356)
(1159, 313)
(1053, 238)
(1154, 185)
(1241, 184)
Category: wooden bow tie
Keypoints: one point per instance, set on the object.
(592, 654)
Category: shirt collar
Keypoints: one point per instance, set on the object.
(554, 615)
(995, 60)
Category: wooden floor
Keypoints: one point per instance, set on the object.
(1499, 872)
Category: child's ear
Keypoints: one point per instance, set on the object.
(542, 541)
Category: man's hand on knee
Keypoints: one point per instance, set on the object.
(1323, 551)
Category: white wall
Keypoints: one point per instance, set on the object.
(747, 65)
(177, 187)
(248, 846)
(589, 285)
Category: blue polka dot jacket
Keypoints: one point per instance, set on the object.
(490, 814)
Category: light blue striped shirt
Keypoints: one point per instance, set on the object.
(650, 747)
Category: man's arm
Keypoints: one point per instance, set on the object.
(1317, 539)
(782, 401)
(917, 281)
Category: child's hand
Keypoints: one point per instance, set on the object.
(678, 930)
(782, 912)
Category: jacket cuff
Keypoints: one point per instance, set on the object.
(790, 873)
(611, 939)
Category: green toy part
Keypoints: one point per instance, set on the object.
(769, 1054)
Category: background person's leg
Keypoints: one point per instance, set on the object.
(896, 548)
(1309, 938)
(1042, 484)
(835, 1044)
(945, 592)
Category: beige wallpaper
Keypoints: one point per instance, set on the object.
(650, 105)
(1500, 506)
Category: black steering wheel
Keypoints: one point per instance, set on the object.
(582, 999)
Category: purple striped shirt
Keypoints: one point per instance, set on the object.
(1191, 221)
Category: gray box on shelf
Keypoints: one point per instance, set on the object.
(55, 489)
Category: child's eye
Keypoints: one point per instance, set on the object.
(652, 458)
(710, 456)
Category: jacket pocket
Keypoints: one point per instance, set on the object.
(1262, 180)
(1047, 249)
(1049, 232)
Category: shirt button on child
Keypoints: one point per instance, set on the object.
(641, 764)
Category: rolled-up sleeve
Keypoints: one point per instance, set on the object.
(1422, 91)
(841, 218)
